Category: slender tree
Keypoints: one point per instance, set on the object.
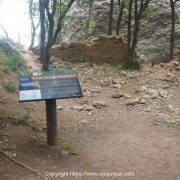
(33, 11)
(54, 27)
(111, 17)
(129, 31)
(173, 26)
(42, 31)
(136, 8)
(121, 5)
(59, 11)
(49, 8)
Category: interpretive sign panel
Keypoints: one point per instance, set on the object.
(58, 84)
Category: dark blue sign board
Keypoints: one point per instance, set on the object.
(58, 84)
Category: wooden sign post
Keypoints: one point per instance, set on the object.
(51, 118)
(49, 86)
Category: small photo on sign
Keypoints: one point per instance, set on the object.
(29, 85)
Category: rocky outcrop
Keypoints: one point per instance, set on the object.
(155, 31)
(154, 34)
(102, 49)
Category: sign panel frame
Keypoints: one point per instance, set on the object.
(42, 86)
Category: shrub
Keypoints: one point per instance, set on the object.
(1, 114)
(10, 87)
(6, 46)
(26, 118)
(133, 64)
(2, 57)
(10, 56)
(14, 61)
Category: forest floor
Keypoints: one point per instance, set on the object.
(128, 122)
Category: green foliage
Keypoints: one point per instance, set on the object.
(92, 25)
(13, 62)
(2, 57)
(68, 146)
(127, 82)
(10, 87)
(132, 63)
(164, 107)
(10, 56)
(170, 124)
(26, 118)
(6, 46)
(175, 124)
(1, 114)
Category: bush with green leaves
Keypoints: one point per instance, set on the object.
(25, 118)
(133, 64)
(13, 62)
(10, 87)
(6, 46)
(11, 57)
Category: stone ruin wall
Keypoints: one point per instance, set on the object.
(101, 49)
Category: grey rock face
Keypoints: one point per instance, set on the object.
(155, 27)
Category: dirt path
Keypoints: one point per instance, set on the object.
(125, 139)
(100, 133)
(31, 60)
(121, 138)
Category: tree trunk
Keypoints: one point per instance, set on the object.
(47, 58)
(60, 31)
(49, 43)
(32, 24)
(129, 33)
(135, 40)
(111, 17)
(136, 30)
(32, 40)
(173, 21)
(42, 31)
(121, 9)
(52, 32)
